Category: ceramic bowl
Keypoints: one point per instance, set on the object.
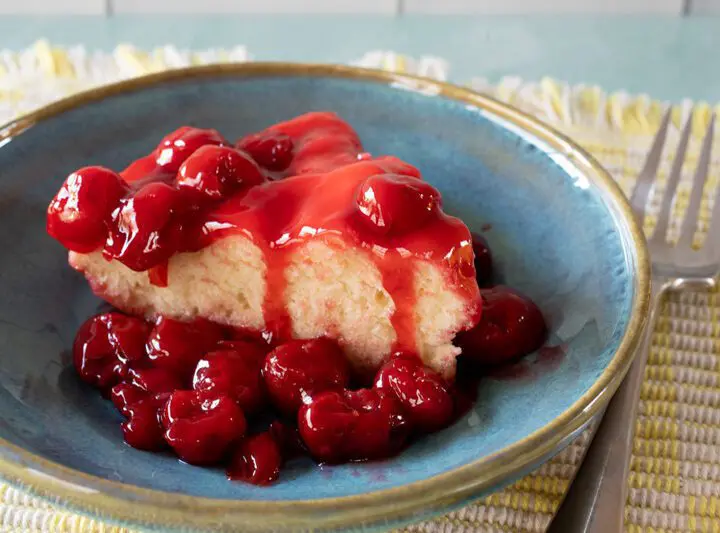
(560, 229)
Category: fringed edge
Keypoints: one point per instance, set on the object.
(589, 107)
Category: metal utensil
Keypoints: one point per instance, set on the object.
(596, 501)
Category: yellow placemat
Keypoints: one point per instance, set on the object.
(675, 477)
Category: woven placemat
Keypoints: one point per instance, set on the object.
(675, 470)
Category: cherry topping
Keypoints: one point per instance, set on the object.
(124, 395)
(202, 431)
(233, 372)
(352, 426)
(288, 438)
(259, 338)
(393, 204)
(140, 236)
(271, 149)
(177, 146)
(296, 370)
(511, 326)
(256, 460)
(178, 346)
(128, 335)
(423, 393)
(154, 380)
(483, 260)
(217, 171)
(96, 353)
(80, 211)
(142, 429)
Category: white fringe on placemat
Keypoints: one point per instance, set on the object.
(43, 73)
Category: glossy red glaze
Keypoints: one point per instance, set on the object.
(178, 346)
(296, 370)
(232, 371)
(272, 150)
(124, 395)
(177, 146)
(202, 431)
(97, 356)
(390, 204)
(352, 426)
(79, 213)
(141, 232)
(217, 171)
(154, 380)
(511, 326)
(288, 439)
(142, 429)
(321, 142)
(128, 335)
(423, 394)
(260, 338)
(256, 460)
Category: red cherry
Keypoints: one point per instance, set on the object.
(177, 146)
(240, 338)
(351, 426)
(177, 346)
(101, 347)
(483, 260)
(217, 171)
(271, 149)
(256, 460)
(142, 429)
(423, 393)
(80, 211)
(140, 236)
(154, 380)
(201, 432)
(392, 204)
(288, 438)
(233, 372)
(511, 326)
(322, 142)
(128, 336)
(124, 395)
(296, 370)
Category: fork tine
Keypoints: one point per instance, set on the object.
(646, 178)
(687, 231)
(672, 183)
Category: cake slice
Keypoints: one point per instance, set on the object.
(295, 232)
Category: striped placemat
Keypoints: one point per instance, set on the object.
(675, 477)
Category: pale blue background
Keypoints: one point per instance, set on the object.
(668, 57)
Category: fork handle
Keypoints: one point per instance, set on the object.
(596, 501)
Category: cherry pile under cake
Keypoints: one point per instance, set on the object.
(287, 294)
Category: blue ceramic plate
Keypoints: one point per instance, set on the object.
(560, 230)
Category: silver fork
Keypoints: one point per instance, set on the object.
(596, 501)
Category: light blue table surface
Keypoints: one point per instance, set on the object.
(667, 57)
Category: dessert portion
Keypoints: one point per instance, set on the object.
(296, 232)
(290, 274)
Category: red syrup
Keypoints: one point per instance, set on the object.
(307, 178)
